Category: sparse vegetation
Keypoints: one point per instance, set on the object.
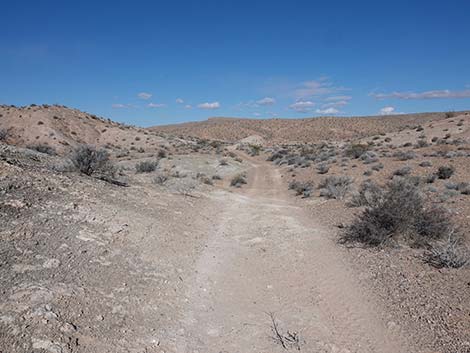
(322, 168)
(90, 160)
(238, 180)
(445, 172)
(400, 212)
(3, 134)
(43, 149)
(146, 166)
(356, 150)
(302, 188)
(335, 187)
(450, 253)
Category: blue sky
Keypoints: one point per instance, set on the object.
(159, 62)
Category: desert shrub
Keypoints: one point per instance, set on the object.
(370, 194)
(204, 179)
(223, 162)
(89, 160)
(404, 156)
(421, 144)
(377, 167)
(276, 155)
(400, 212)
(449, 253)
(449, 115)
(161, 154)
(322, 168)
(369, 157)
(445, 172)
(43, 149)
(238, 180)
(3, 134)
(464, 188)
(254, 150)
(178, 174)
(431, 178)
(146, 166)
(356, 150)
(425, 164)
(160, 179)
(335, 187)
(302, 188)
(406, 170)
(216, 177)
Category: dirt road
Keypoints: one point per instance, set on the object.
(267, 259)
(142, 269)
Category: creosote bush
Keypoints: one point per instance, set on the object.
(335, 187)
(146, 166)
(90, 160)
(445, 172)
(356, 150)
(370, 194)
(400, 211)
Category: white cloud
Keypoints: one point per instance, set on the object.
(319, 87)
(387, 111)
(119, 106)
(338, 98)
(213, 105)
(302, 106)
(179, 101)
(330, 111)
(156, 105)
(144, 95)
(266, 101)
(188, 106)
(435, 94)
(335, 104)
(256, 114)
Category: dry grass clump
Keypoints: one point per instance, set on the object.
(238, 180)
(160, 179)
(302, 188)
(43, 149)
(450, 253)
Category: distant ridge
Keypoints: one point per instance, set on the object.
(305, 130)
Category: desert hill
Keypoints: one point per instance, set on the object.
(309, 130)
(62, 128)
